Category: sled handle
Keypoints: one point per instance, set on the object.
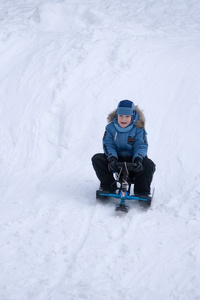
(122, 164)
(126, 165)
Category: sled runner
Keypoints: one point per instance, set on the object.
(123, 193)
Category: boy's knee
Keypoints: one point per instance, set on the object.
(149, 164)
(97, 157)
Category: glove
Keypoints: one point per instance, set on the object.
(112, 165)
(138, 164)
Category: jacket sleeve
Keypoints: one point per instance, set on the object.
(109, 146)
(141, 144)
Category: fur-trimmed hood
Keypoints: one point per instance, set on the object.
(140, 123)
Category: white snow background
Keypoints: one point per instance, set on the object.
(64, 65)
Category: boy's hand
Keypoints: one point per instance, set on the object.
(112, 165)
(138, 164)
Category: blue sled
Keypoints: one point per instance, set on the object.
(125, 187)
(124, 196)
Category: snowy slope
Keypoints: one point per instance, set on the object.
(64, 66)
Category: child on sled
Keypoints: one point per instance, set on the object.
(125, 140)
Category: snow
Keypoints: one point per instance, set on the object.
(64, 65)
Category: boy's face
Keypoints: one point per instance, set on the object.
(123, 120)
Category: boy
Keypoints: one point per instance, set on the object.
(125, 140)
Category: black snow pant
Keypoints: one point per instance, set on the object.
(142, 180)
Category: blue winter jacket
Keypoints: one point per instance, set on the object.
(126, 142)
